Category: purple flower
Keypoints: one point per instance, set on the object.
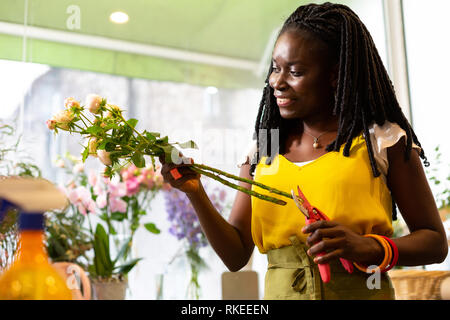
(184, 221)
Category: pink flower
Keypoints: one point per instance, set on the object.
(98, 190)
(132, 186)
(117, 189)
(92, 178)
(60, 163)
(81, 198)
(117, 205)
(93, 103)
(159, 181)
(101, 201)
(79, 167)
(51, 124)
(104, 157)
(146, 178)
(129, 172)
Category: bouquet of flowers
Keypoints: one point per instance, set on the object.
(186, 227)
(119, 204)
(116, 142)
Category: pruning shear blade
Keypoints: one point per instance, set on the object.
(297, 201)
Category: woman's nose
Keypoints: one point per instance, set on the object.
(277, 81)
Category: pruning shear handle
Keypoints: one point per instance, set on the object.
(312, 214)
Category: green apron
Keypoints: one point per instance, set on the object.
(293, 275)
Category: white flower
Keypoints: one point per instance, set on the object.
(93, 102)
(104, 157)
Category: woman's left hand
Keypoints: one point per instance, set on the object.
(338, 241)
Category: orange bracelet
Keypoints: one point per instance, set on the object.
(387, 255)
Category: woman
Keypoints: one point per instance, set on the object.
(345, 141)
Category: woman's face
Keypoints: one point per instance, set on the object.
(303, 77)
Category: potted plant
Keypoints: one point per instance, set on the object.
(111, 210)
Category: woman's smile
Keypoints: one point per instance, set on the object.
(284, 102)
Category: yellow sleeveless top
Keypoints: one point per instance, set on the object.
(343, 188)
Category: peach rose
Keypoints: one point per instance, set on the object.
(92, 145)
(70, 103)
(93, 102)
(51, 124)
(104, 157)
(63, 119)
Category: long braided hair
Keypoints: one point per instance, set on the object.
(364, 93)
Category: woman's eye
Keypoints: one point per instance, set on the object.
(275, 69)
(296, 73)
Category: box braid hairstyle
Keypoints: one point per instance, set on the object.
(364, 92)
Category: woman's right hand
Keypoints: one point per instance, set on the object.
(188, 182)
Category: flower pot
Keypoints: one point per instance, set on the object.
(110, 289)
(412, 284)
(76, 279)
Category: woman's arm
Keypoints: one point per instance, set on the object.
(231, 239)
(427, 241)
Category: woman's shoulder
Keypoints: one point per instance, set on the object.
(249, 153)
(384, 137)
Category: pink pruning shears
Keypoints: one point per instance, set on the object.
(312, 214)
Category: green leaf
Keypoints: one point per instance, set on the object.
(164, 140)
(118, 216)
(188, 145)
(123, 250)
(152, 228)
(111, 126)
(94, 129)
(132, 122)
(150, 136)
(125, 268)
(85, 154)
(102, 258)
(138, 159)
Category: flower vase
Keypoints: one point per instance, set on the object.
(110, 289)
(76, 279)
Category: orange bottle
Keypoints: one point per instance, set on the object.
(31, 277)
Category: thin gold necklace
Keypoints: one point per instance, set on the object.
(316, 144)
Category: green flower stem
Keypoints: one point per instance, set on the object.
(239, 188)
(81, 114)
(77, 125)
(272, 190)
(85, 125)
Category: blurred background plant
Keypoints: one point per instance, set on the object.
(186, 228)
(439, 175)
(14, 161)
(104, 215)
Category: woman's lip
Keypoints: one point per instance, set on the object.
(284, 102)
